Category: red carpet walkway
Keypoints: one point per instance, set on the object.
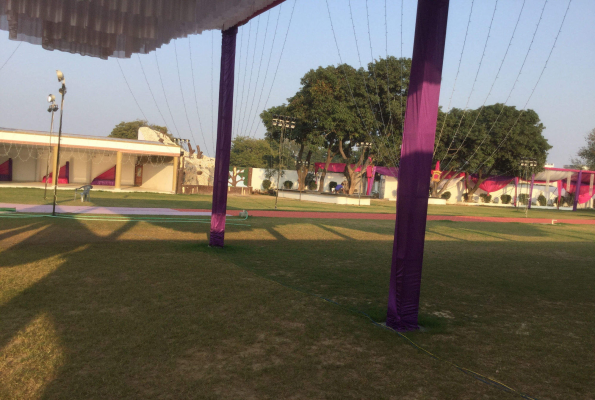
(332, 215)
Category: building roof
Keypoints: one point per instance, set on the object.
(130, 146)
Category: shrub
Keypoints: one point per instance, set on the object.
(332, 185)
(266, 184)
(312, 185)
(288, 184)
(310, 177)
(542, 200)
(486, 197)
(569, 199)
(445, 195)
(523, 198)
(506, 198)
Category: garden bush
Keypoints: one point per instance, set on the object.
(266, 184)
(486, 197)
(506, 198)
(523, 198)
(542, 200)
(445, 195)
(288, 184)
(312, 185)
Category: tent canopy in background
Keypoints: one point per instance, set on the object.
(493, 183)
(120, 28)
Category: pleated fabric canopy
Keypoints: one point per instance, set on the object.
(120, 28)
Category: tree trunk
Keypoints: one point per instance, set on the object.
(437, 193)
(302, 171)
(470, 192)
(299, 167)
(352, 174)
(329, 157)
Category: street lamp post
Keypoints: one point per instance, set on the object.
(52, 109)
(284, 122)
(61, 79)
(526, 164)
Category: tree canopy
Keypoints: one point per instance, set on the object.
(129, 130)
(247, 152)
(586, 154)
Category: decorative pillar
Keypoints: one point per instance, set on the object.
(531, 191)
(174, 185)
(577, 190)
(416, 163)
(55, 168)
(118, 183)
(224, 124)
(592, 178)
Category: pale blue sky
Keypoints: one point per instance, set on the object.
(98, 98)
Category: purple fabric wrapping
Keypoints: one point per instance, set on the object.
(224, 124)
(416, 163)
(531, 190)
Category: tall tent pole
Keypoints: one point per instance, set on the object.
(577, 190)
(224, 125)
(416, 162)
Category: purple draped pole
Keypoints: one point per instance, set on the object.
(416, 162)
(531, 190)
(577, 190)
(516, 184)
(224, 121)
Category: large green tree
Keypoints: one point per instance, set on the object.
(586, 154)
(247, 152)
(489, 141)
(129, 130)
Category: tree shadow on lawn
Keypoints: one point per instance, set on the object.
(136, 317)
(102, 314)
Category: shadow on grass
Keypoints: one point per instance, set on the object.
(136, 312)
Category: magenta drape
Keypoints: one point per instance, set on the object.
(224, 124)
(370, 173)
(583, 192)
(334, 167)
(6, 170)
(577, 191)
(493, 183)
(387, 171)
(416, 163)
(108, 178)
(63, 175)
(559, 192)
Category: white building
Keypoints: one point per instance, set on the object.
(113, 164)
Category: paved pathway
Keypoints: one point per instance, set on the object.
(47, 209)
(333, 215)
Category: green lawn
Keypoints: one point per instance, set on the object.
(137, 310)
(261, 202)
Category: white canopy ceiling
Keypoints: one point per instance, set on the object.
(119, 28)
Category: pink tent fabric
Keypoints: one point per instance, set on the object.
(584, 194)
(6, 170)
(493, 183)
(63, 175)
(333, 167)
(388, 171)
(108, 178)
